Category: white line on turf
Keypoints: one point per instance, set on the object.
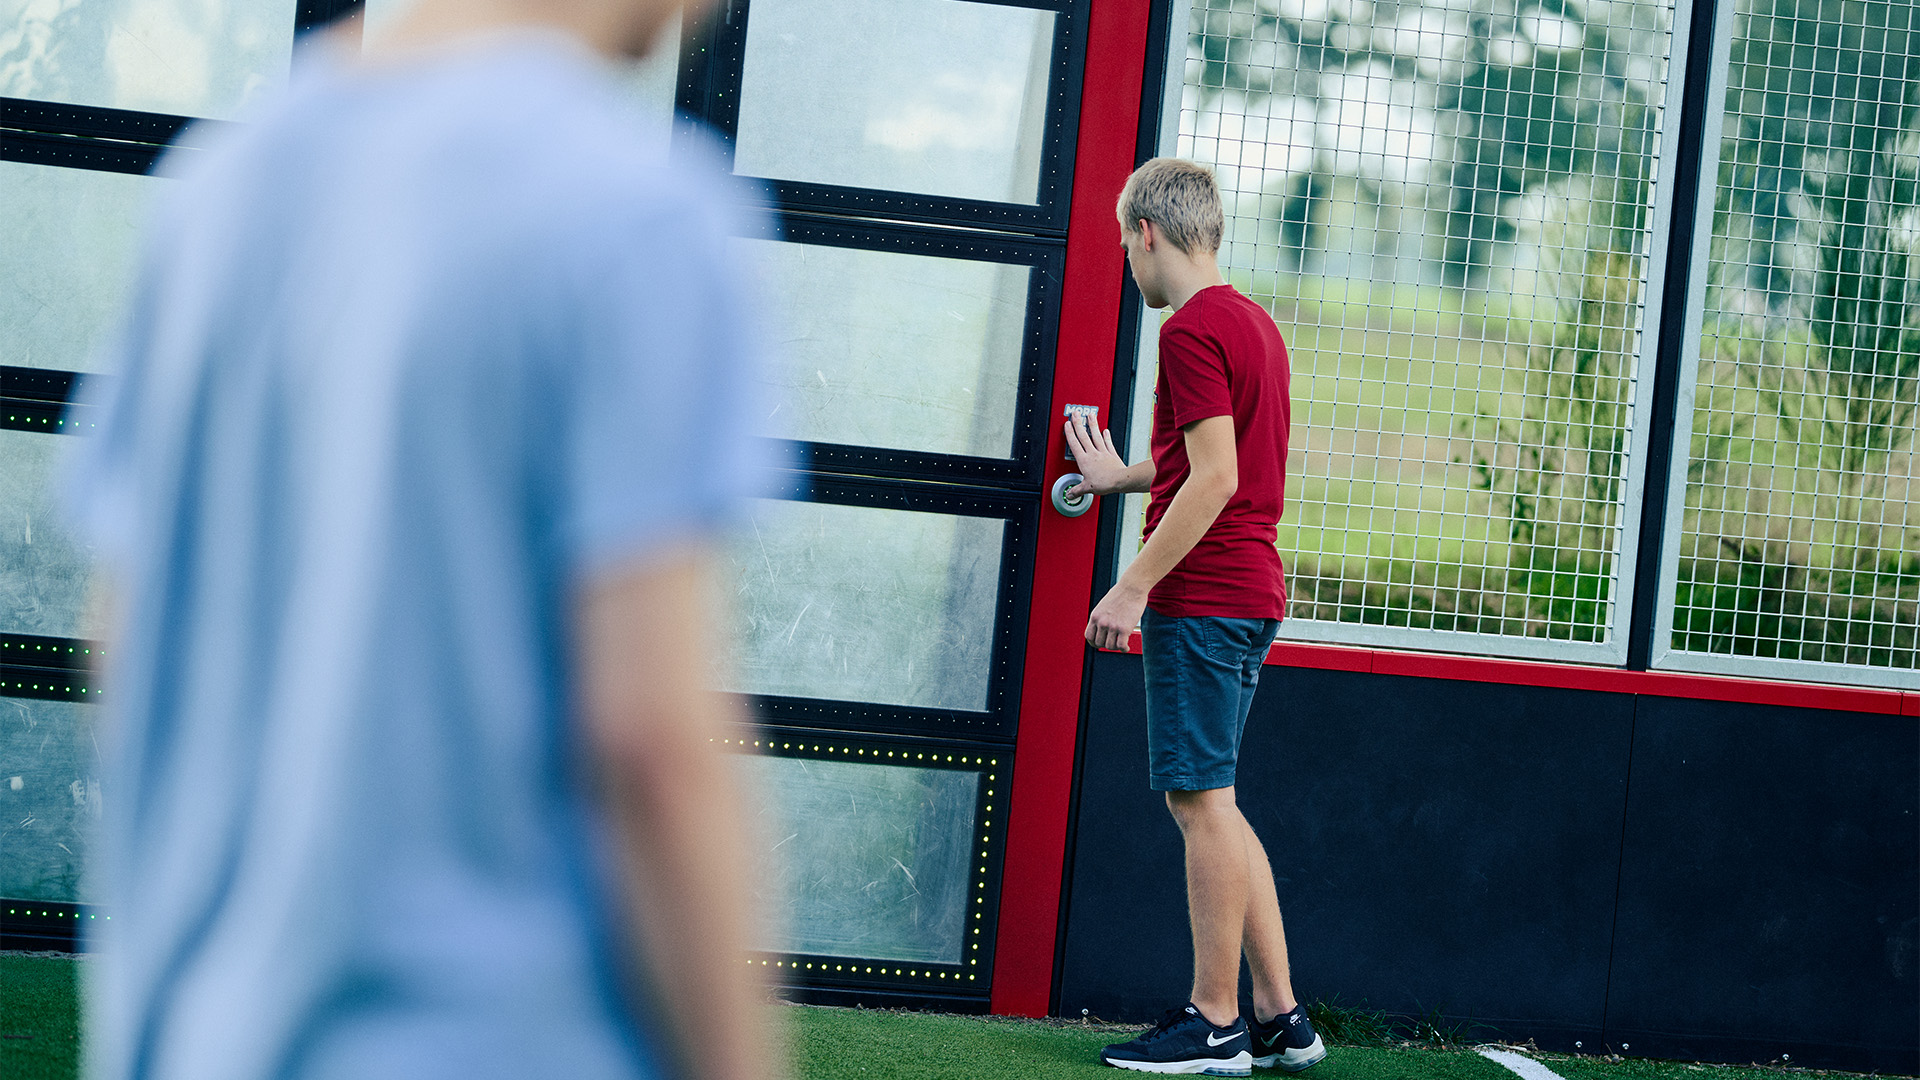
(1525, 1067)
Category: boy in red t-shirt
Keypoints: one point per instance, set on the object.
(1208, 593)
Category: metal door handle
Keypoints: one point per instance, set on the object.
(1070, 505)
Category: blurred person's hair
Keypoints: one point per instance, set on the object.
(1180, 198)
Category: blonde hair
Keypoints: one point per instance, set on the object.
(1178, 196)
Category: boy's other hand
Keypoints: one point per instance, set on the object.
(1101, 469)
(1111, 623)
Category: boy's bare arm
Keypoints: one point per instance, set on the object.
(1215, 476)
(676, 809)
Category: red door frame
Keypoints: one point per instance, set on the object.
(1064, 562)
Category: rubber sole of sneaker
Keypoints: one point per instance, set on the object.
(1295, 1060)
(1240, 1064)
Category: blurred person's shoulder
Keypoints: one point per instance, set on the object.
(574, 141)
(523, 130)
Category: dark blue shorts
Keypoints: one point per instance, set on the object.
(1201, 674)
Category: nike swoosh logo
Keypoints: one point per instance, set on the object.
(1211, 1041)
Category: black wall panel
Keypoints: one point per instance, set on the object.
(1690, 879)
(1770, 887)
(1442, 846)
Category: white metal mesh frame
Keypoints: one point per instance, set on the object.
(1449, 209)
(1794, 551)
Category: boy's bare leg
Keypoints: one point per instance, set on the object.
(1265, 937)
(1217, 893)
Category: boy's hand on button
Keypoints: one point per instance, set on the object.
(1101, 469)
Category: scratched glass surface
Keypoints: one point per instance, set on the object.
(186, 57)
(885, 349)
(49, 798)
(857, 603)
(866, 860)
(937, 97)
(44, 575)
(70, 236)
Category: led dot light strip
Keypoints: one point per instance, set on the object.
(51, 668)
(40, 399)
(45, 924)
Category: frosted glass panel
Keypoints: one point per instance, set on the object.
(44, 575)
(66, 260)
(855, 603)
(907, 352)
(939, 97)
(190, 57)
(49, 798)
(867, 860)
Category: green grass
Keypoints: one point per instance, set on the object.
(39, 1019)
(860, 1044)
(866, 1044)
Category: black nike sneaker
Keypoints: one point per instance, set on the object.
(1287, 1041)
(1186, 1042)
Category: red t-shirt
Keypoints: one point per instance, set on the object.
(1221, 355)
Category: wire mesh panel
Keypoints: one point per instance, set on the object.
(1799, 550)
(1446, 205)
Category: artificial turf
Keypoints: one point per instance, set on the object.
(40, 1032)
(853, 1044)
(39, 1017)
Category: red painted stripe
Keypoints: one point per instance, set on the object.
(1063, 568)
(1621, 681)
(1673, 684)
(1324, 657)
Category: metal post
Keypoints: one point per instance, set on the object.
(1697, 125)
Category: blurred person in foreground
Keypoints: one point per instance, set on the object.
(428, 410)
(1207, 592)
